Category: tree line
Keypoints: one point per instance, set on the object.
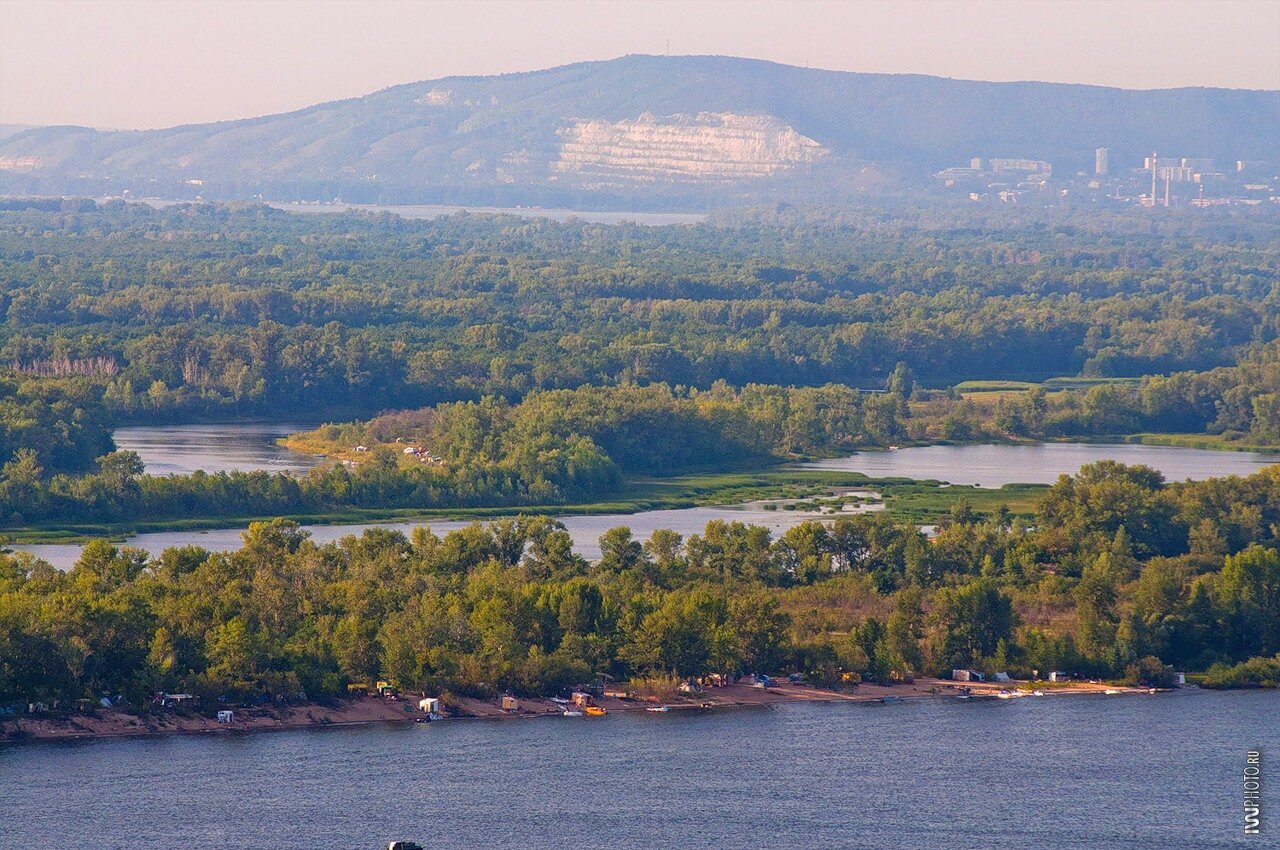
(208, 311)
(1121, 574)
(564, 446)
(552, 448)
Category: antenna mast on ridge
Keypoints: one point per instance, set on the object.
(1154, 159)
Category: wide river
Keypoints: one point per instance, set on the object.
(433, 211)
(1042, 463)
(1060, 772)
(180, 449)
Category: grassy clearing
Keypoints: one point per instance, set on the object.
(994, 386)
(1207, 442)
(1061, 383)
(924, 504)
(1073, 382)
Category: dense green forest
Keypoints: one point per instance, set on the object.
(588, 444)
(552, 448)
(216, 311)
(120, 313)
(60, 422)
(515, 331)
(530, 363)
(1120, 575)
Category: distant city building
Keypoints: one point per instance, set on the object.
(952, 176)
(1178, 169)
(1177, 173)
(1195, 164)
(1033, 165)
(976, 163)
(1101, 167)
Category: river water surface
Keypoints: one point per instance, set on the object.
(1042, 463)
(432, 211)
(585, 529)
(244, 447)
(1059, 772)
(184, 448)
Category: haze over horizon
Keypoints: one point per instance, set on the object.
(140, 64)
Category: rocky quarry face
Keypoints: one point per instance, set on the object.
(709, 147)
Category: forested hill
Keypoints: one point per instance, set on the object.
(639, 129)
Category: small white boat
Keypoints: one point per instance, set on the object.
(571, 712)
(560, 700)
(658, 708)
(1112, 691)
(1037, 693)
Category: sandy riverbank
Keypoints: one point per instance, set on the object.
(115, 722)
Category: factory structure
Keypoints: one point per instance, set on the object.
(1157, 182)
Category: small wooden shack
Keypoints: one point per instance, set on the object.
(429, 705)
(510, 703)
(226, 716)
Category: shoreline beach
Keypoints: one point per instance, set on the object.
(114, 722)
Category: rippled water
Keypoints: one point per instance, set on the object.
(997, 465)
(1060, 772)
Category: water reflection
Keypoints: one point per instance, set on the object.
(996, 465)
(245, 447)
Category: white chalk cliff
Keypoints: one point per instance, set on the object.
(708, 147)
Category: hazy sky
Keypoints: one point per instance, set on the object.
(142, 63)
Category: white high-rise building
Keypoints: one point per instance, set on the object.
(1101, 166)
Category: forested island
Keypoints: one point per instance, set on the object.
(759, 336)
(494, 364)
(1121, 575)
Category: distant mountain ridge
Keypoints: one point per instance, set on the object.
(641, 128)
